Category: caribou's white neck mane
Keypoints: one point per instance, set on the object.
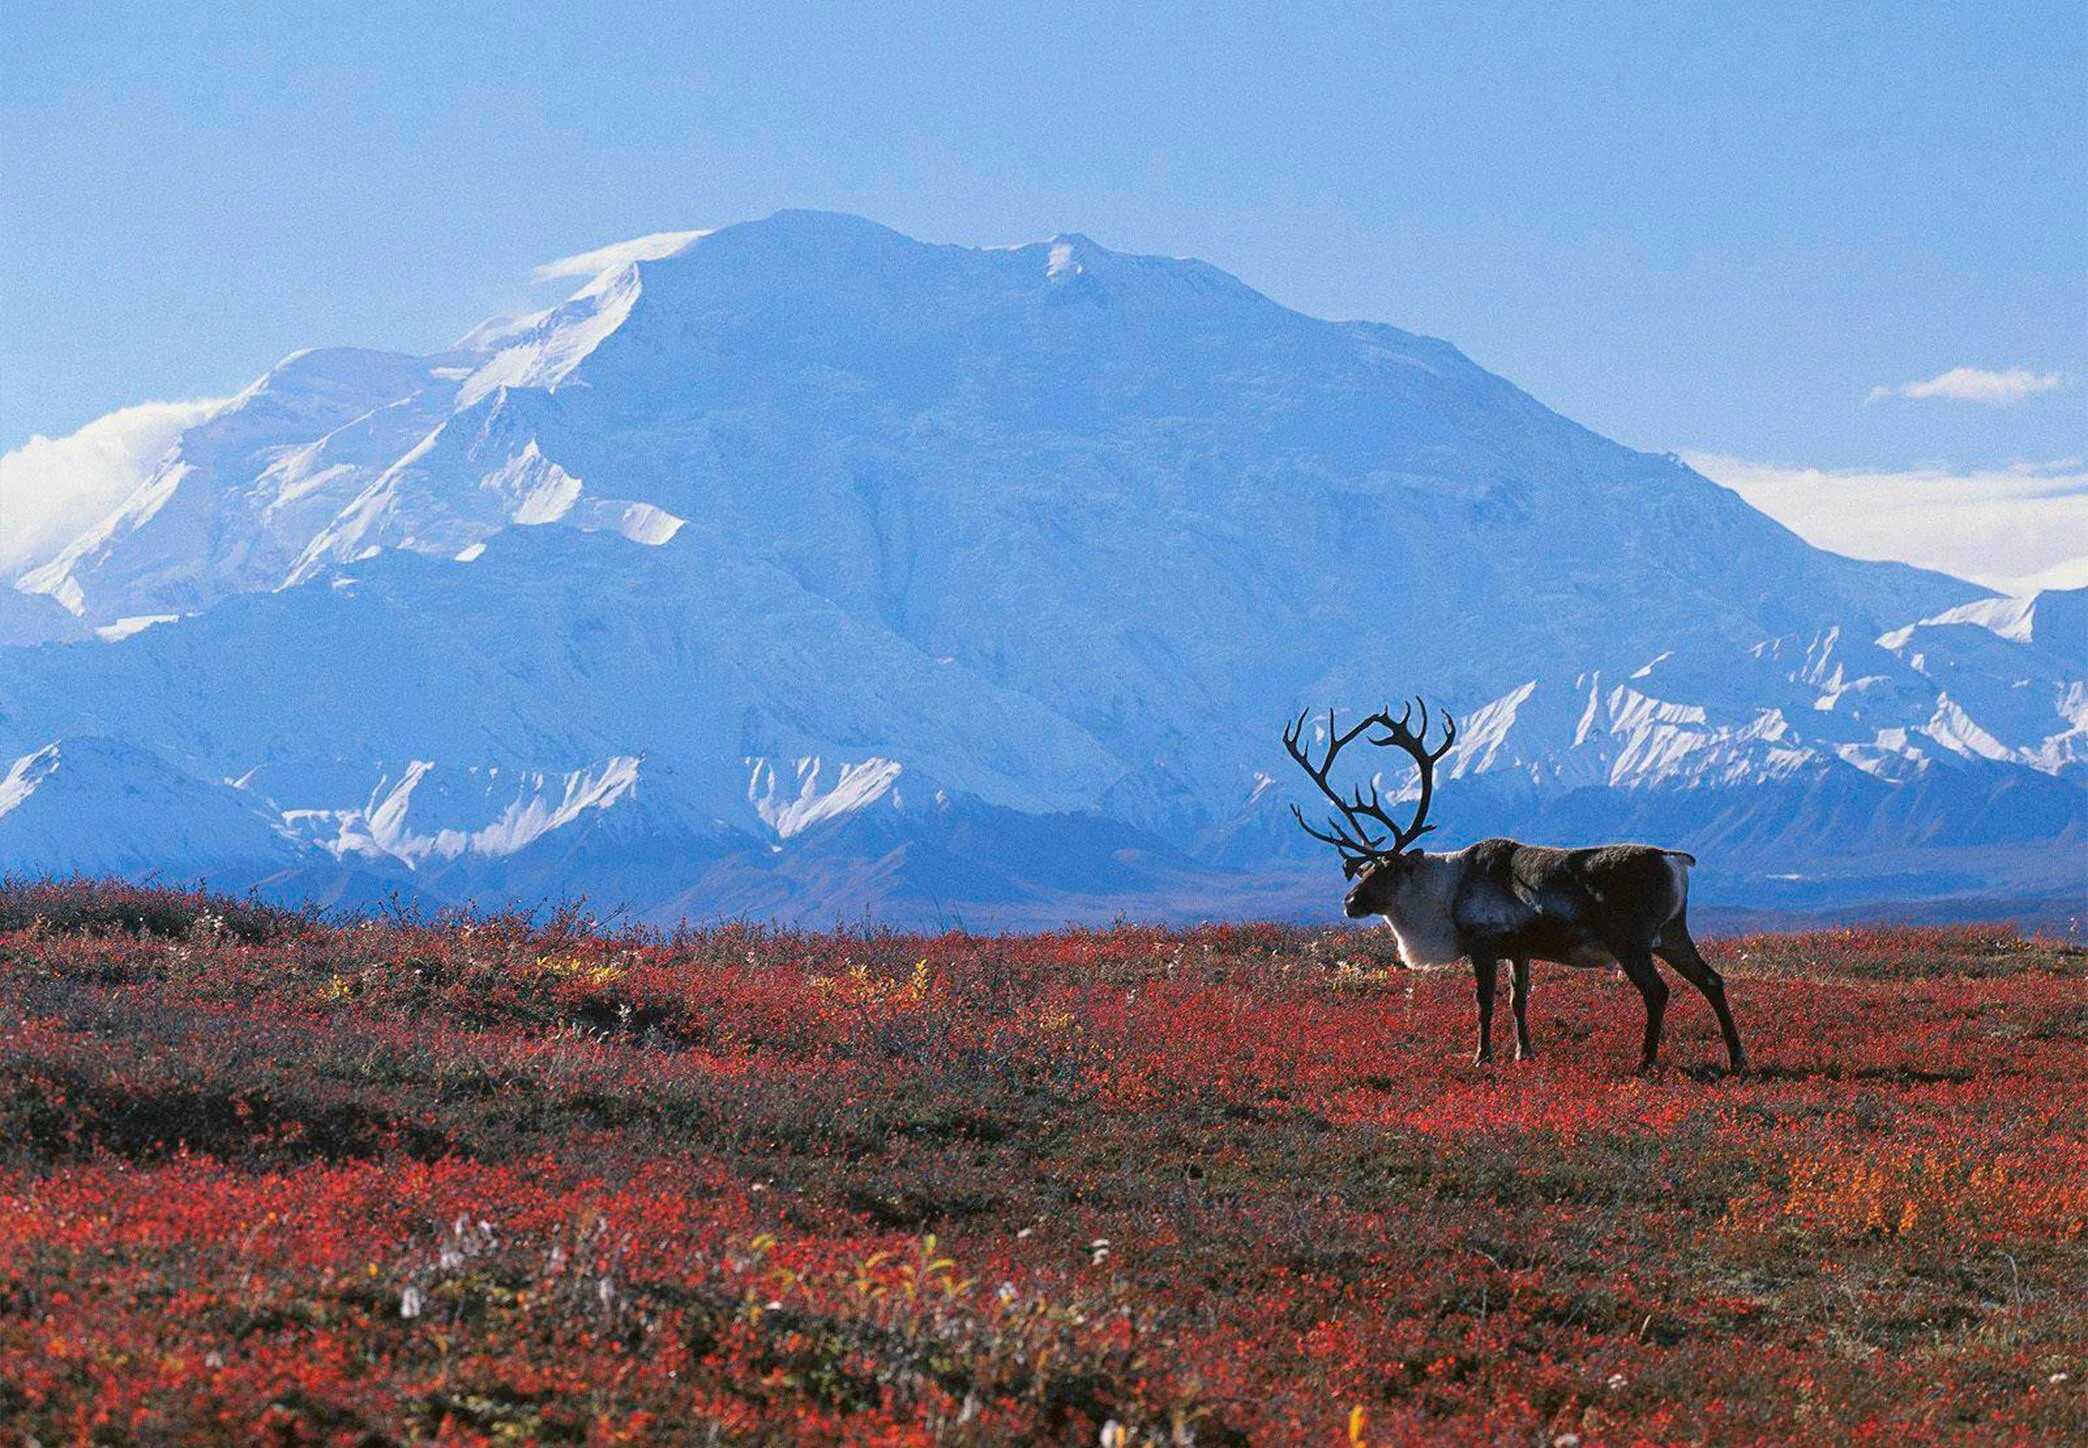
(1422, 913)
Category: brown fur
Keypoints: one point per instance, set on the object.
(1618, 905)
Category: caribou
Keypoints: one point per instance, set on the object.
(1611, 905)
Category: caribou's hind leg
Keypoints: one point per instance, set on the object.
(1638, 965)
(1678, 950)
(1485, 975)
(1519, 985)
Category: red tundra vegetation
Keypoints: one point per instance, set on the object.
(267, 1179)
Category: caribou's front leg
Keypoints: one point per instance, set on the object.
(1485, 972)
(1519, 997)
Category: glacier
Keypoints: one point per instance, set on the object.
(797, 568)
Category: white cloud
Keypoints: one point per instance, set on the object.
(2008, 528)
(2073, 573)
(53, 489)
(1975, 384)
(622, 253)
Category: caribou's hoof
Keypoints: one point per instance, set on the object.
(1649, 1067)
(1525, 1053)
(1482, 1058)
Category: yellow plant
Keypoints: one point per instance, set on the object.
(580, 971)
(857, 986)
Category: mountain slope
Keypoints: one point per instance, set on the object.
(101, 806)
(817, 527)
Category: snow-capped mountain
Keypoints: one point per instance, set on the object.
(799, 566)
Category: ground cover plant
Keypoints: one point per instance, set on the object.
(266, 1178)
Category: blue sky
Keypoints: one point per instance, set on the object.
(1714, 228)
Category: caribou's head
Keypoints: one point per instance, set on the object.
(1373, 846)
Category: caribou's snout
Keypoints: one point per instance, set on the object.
(1352, 904)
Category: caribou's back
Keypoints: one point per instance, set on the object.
(1576, 907)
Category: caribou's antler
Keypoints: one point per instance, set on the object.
(1358, 844)
(1399, 736)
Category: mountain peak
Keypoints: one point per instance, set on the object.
(1049, 532)
(811, 221)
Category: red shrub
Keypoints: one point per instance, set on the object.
(489, 1181)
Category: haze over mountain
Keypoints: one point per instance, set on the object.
(801, 568)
